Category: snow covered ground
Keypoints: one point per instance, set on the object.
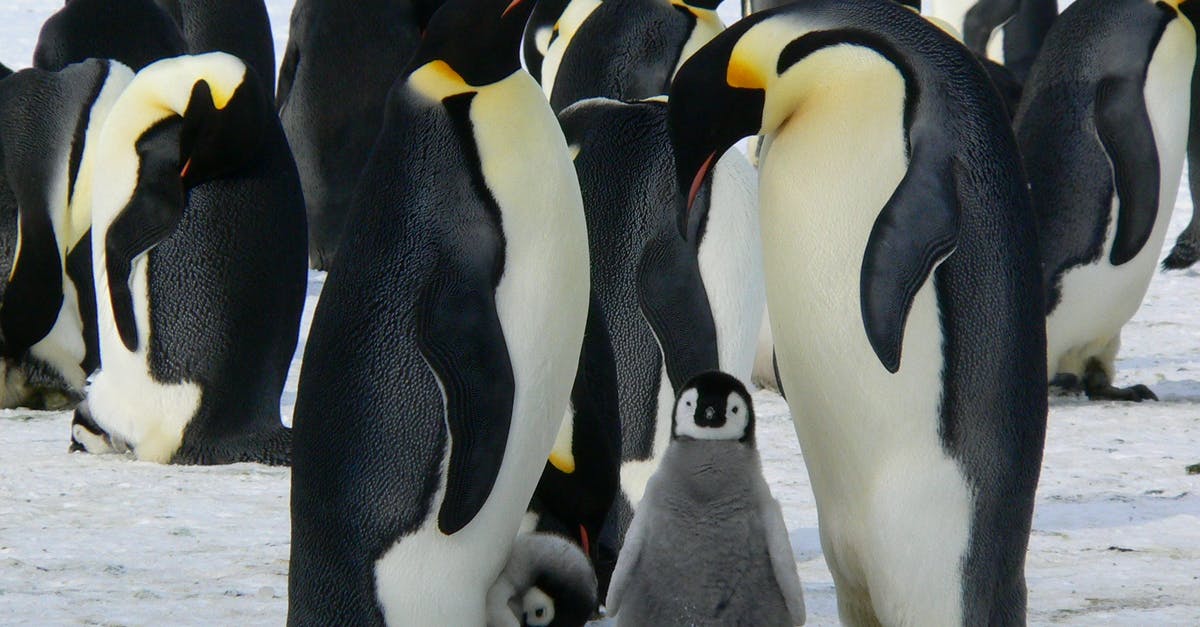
(109, 541)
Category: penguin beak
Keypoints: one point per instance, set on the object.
(511, 5)
(706, 114)
(214, 142)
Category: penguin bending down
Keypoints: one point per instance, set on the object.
(198, 250)
(47, 311)
(645, 274)
(708, 545)
(442, 353)
(894, 300)
(240, 27)
(1103, 136)
(623, 49)
(340, 60)
(546, 583)
(582, 476)
(134, 32)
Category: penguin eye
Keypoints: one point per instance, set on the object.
(541, 611)
(734, 410)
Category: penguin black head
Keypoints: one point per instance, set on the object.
(549, 583)
(704, 5)
(216, 140)
(479, 40)
(713, 406)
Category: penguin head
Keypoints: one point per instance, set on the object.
(758, 74)
(713, 406)
(477, 41)
(554, 585)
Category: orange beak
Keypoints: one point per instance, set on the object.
(699, 180)
(511, 5)
(184, 170)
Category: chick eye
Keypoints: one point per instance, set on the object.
(540, 612)
(735, 410)
(688, 403)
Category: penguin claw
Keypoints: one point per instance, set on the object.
(1135, 393)
(1066, 384)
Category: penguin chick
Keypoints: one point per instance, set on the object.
(708, 545)
(548, 582)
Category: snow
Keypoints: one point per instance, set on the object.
(109, 541)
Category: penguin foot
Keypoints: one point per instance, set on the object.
(1183, 255)
(1066, 384)
(1194, 469)
(1098, 387)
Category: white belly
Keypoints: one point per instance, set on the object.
(429, 578)
(636, 474)
(731, 263)
(894, 508)
(1099, 298)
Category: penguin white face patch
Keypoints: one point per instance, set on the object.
(538, 607)
(689, 412)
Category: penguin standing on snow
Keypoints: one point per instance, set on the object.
(442, 353)
(1186, 250)
(894, 298)
(198, 250)
(708, 545)
(623, 49)
(645, 274)
(1103, 128)
(47, 311)
(340, 60)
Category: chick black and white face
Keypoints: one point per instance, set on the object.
(537, 607)
(714, 406)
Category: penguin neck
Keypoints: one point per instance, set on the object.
(709, 468)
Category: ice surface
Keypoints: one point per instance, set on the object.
(109, 541)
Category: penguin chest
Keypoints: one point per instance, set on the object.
(825, 176)
(1099, 298)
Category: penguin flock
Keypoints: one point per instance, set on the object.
(554, 274)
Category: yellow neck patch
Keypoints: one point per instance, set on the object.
(438, 80)
(564, 463)
(743, 73)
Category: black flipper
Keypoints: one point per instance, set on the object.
(677, 308)
(34, 294)
(983, 19)
(151, 215)
(1124, 128)
(917, 228)
(459, 334)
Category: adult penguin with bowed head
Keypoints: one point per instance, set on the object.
(134, 32)
(442, 353)
(198, 245)
(47, 302)
(906, 306)
(645, 274)
(623, 49)
(340, 60)
(240, 27)
(1103, 129)
(581, 478)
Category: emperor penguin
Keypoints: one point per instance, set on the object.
(47, 302)
(581, 478)
(134, 32)
(240, 27)
(623, 49)
(708, 545)
(340, 60)
(645, 274)
(895, 298)
(1103, 129)
(442, 353)
(1186, 250)
(547, 582)
(198, 250)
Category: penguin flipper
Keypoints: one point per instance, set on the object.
(983, 19)
(459, 334)
(917, 229)
(152, 214)
(670, 290)
(1123, 125)
(35, 291)
(783, 561)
